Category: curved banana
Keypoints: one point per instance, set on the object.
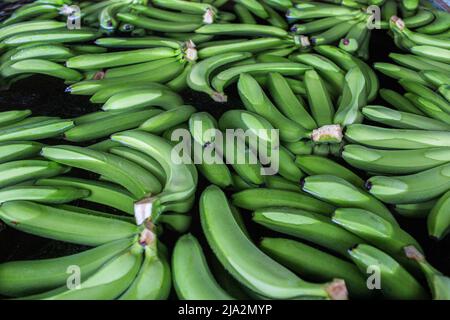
(199, 78)
(241, 257)
(255, 100)
(199, 285)
(260, 198)
(133, 177)
(396, 138)
(397, 282)
(395, 161)
(63, 224)
(23, 278)
(111, 123)
(418, 187)
(99, 192)
(315, 165)
(19, 150)
(19, 171)
(153, 282)
(339, 192)
(308, 226)
(402, 120)
(181, 178)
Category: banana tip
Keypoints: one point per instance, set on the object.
(68, 89)
(368, 185)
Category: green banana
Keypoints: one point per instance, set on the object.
(352, 100)
(415, 210)
(116, 59)
(434, 53)
(153, 282)
(158, 25)
(42, 194)
(108, 283)
(166, 15)
(288, 103)
(199, 78)
(137, 98)
(18, 171)
(413, 62)
(196, 285)
(22, 278)
(243, 30)
(278, 182)
(438, 221)
(243, 14)
(308, 226)
(399, 102)
(398, 72)
(11, 151)
(395, 161)
(239, 255)
(396, 138)
(226, 77)
(342, 193)
(255, 7)
(327, 69)
(99, 192)
(90, 87)
(50, 36)
(34, 128)
(21, 27)
(112, 123)
(315, 165)
(318, 25)
(104, 94)
(260, 198)
(396, 282)
(428, 107)
(252, 45)
(138, 68)
(376, 231)
(160, 122)
(13, 116)
(180, 223)
(184, 6)
(402, 120)
(46, 52)
(137, 43)
(438, 25)
(315, 264)
(145, 161)
(257, 129)
(63, 224)
(426, 93)
(133, 177)
(418, 187)
(255, 100)
(40, 66)
(181, 179)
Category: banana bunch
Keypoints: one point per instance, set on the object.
(137, 69)
(347, 24)
(418, 15)
(38, 10)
